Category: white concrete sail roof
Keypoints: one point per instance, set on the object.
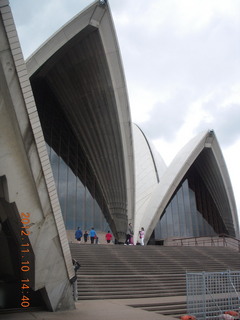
(216, 176)
(81, 66)
(149, 167)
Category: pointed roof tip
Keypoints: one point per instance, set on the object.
(211, 133)
(103, 3)
(204, 136)
(90, 16)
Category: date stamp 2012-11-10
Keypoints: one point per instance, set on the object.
(25, 259)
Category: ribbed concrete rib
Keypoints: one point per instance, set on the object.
(83, 76)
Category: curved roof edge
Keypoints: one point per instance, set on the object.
(149, 167)
(60, 38)
(227, 182)
(176, 171)
(158, 162)
(99, 18)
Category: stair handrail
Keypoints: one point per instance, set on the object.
(206, 240)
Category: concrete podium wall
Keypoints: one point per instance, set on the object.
(25, 165)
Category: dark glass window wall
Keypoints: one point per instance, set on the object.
(79, 208)
(191, 212)
(80, 196)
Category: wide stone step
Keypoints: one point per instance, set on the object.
(112, 286)
(133, 284)
(179, 307)
(105, 291)
(150, 281)
(173, 312)
(167, 277)
(127, 272)
(128, 295)
(174, 308)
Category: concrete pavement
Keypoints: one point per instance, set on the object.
(96, 309)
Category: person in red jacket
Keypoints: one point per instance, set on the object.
(108, 237)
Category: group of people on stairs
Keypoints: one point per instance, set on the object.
(92, 235)
(130, 233)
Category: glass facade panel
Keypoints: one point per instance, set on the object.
(63, 186)
(180, 217)
(186, 208)
(78, 206)
(191, 212)
(196, 224)
(71, 200)
(89, 210)
(79, 194)
(98, 217)
(161, 227)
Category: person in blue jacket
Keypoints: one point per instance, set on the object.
(93, 235)
(78, 234)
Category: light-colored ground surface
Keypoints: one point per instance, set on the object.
(99, 310)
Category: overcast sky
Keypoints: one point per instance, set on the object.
(181, 60)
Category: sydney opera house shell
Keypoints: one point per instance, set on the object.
(70, 156)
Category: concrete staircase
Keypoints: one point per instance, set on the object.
(169, 308)
(133, 272)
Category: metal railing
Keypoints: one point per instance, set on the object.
(222, 240)
(210, 294)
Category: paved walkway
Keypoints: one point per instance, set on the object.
(96, 310)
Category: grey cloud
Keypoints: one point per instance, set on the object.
(191, 67)
(201, 60)
(225, 123)
(38, 20)
(166, 118)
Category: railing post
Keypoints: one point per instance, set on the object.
(224, 241)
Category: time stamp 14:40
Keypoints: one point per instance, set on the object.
(25, 264)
